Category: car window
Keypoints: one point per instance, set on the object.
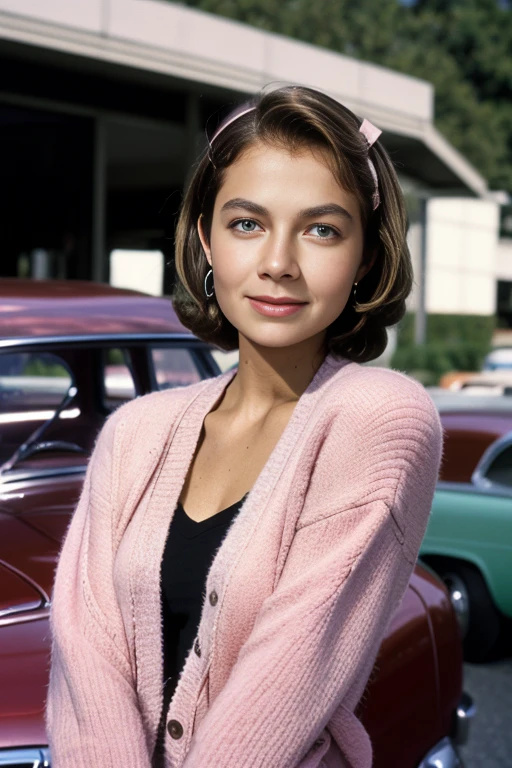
(500, 470)
(226, 360)
(118, 383)
(32, 385)
(174, 367)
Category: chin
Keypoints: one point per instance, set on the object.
(273, 333)
(278, 339)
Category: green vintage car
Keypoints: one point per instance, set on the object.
(468, 542)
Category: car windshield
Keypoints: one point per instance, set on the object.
(35, 383)
(31, 382)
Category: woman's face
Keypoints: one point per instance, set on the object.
(283, 228)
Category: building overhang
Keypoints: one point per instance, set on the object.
(194, 51)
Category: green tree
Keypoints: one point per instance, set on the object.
(462, 46)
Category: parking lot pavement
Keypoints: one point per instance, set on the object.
(490, 743)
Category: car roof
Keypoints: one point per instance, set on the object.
(500, 352)
(465, 402)
(467, 435)
(485, 422)
(31, 308)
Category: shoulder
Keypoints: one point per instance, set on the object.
(145, 421)
(380, 422)
(133, 440)
(383, 444)
(157, 405)
(371, 395)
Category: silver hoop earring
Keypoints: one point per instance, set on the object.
(354, 291)
(209, 295)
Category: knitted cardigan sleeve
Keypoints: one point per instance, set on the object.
(316, 637)
(90, 663)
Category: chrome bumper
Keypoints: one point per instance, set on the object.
(463, 717)
(444, 754)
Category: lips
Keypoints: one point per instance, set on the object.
(276, 306)
(277, 300)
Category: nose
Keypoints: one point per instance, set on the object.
(278, 258)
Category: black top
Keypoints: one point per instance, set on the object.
(188, 554)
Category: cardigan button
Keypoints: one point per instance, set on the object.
(214, 598)
(197, 647)
(175, 729)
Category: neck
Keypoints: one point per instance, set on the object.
(269, 377)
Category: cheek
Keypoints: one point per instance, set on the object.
(231, 262)
(330, 280)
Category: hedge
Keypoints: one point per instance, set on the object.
(454, 343)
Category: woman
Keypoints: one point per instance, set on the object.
(305, 477)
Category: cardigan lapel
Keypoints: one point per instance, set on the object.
(145, 561)
(164, 493)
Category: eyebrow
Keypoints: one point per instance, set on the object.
(306, 213)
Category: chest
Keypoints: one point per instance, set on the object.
(229, 458)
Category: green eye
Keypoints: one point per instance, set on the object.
(323, 232)
(247, 225)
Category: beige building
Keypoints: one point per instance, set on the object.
(103, 105)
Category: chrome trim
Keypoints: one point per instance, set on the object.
(31, 757)
(20, 608)
(466, 711)
(24, 475)
(443, 755)
(485, 489)
(22, 618)
(44, 596)
(38, 341)
(459, 598)
(478, 476)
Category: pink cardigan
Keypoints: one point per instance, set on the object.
(297, 600)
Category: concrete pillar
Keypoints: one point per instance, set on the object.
(420, 329)
(192, 129)
(99, 270)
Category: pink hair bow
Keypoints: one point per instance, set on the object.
(371, 134)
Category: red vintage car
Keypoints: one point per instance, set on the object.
(69, 354)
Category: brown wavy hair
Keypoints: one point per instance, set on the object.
(295, 117)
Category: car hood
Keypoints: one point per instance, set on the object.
(34, 516)
(17, 594)
(30, 557)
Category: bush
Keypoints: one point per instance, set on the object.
(454, 343)
(453, 329)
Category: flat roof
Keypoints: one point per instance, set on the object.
(200, 49)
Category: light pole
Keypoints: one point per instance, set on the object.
(420, 328)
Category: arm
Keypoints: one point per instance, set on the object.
(92, 716)
(316, 637)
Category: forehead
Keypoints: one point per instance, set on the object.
(276, 175)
